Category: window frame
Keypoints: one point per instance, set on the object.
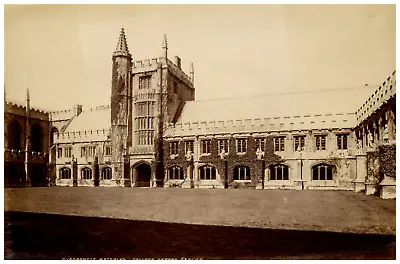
(103, 173)
(241, 145)
(68, 151)
(108, 150)
(327, 168)
(173, 148)
(223, 143)
(275, 176)
(59, 152)
(260, 143)
(342, 141)
(299, 140)
(83, 173)
(279, 143)
(320, 142)
(205, 146)
(191, 146)
(144, 82)
(207, 173)
(177, 173)
(65, 169)
(240, 169)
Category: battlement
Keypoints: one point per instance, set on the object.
(152, 64)
(61, 115)
(286, 123)
(84, 136)
(146, 65)
(385, 91)
(18, 108)
(103, 107)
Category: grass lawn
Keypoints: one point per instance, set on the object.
(337, 211)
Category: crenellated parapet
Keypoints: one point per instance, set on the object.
(82, 136)
(381, 95)
(61, 115)
(16, 108)
(102, 107)
(146, 65)
(269, 124)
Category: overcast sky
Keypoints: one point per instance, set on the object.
(63, 53)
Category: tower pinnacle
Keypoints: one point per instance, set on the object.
(165, 46)
(192, 72)
(27, 95)
(122, 46)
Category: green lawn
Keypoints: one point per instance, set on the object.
(338, 211)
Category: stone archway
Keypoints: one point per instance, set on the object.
(141, 175)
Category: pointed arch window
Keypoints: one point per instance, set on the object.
(279, 173)
(175, 173)
(65, 173)
(322, 172)
(207, 172)
(106, 173)
(86, 173)
(241, 173)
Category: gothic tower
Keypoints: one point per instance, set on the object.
(120, 109)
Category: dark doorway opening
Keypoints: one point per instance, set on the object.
(38, 175)
(143, 175)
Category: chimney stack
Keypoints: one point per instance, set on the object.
(77, 109)
(178, 62)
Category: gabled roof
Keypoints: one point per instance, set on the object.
(94, 119)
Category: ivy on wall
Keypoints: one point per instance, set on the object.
(227, 165)
(373, 173)
(387, 160)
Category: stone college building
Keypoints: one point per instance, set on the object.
(155, 134)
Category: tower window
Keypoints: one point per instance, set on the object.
(144, 82)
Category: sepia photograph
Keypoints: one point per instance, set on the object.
(199, 131)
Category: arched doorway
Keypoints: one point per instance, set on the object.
(141, 174)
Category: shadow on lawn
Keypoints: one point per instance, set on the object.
(46, 236)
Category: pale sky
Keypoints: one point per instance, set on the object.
(63, 53)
